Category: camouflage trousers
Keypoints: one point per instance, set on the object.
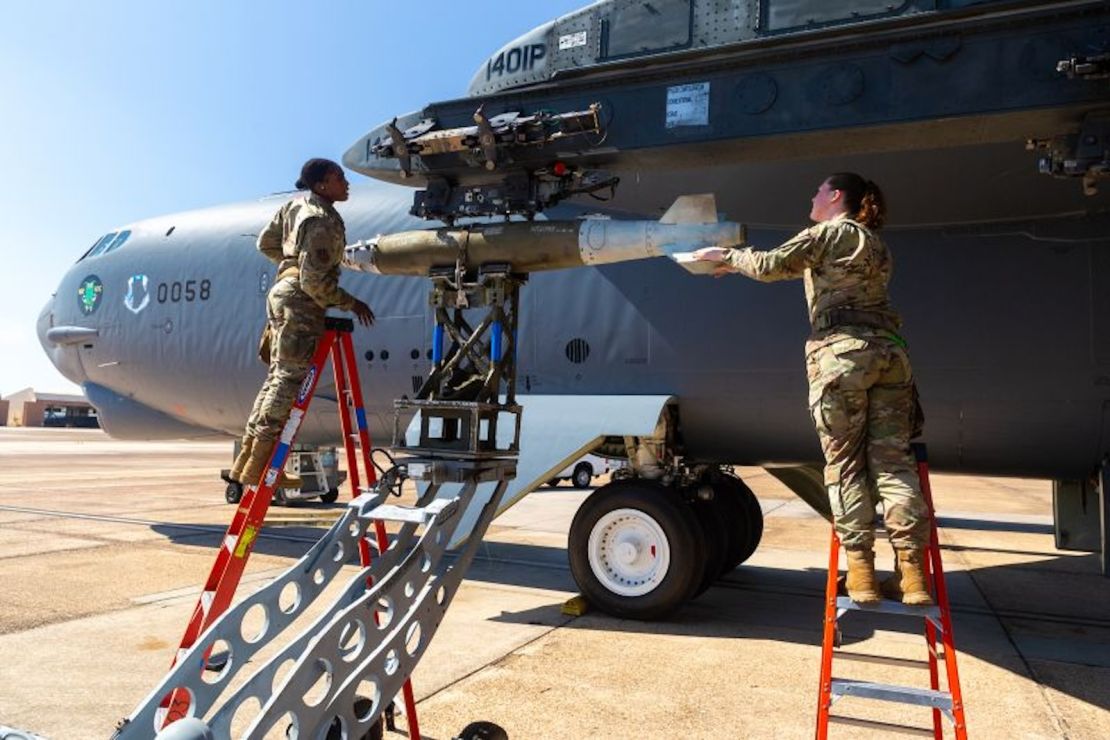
(296, 325)
(861, 398)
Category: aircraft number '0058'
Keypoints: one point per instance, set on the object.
(187, 291)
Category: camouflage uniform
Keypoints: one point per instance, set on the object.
(861, 391)
(306, 238)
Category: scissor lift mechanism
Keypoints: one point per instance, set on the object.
(360, 651)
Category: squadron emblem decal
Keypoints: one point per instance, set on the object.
(89, 293)
(137, 296)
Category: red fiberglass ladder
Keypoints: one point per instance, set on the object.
(937, 618)
(240, 537)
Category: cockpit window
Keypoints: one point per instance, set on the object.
(97, 248)
(107, 243)
(640, 27)
(117, 242)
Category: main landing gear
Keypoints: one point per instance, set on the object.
(641, 548)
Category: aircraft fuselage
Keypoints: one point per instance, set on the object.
(1008, 327)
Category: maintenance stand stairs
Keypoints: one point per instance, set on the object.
(238, 542)
(937, 619)
(336, 676)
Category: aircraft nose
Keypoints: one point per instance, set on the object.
(62, 351)
(42, 325)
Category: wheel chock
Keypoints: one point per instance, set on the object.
(575, 607)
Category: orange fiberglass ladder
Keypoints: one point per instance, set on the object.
(239, 540)
(944, 703)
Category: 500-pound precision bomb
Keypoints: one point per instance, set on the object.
(534, 246)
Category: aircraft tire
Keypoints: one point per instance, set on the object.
(482, 731)
(657, 537)
(737, 527)
(335, 730)
(715, 534)
(582, 476)
(330, 497)
(233, 493)
(734, 496)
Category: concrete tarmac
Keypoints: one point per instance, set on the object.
(104, 544)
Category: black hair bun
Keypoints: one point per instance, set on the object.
(315, 171)
(299, 184)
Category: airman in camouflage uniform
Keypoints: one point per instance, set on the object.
(306, 238)
(861, 389)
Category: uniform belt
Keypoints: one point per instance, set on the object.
(294, 272)
(852, 317)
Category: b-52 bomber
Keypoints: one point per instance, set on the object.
(987, 124)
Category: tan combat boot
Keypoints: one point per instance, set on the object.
(910, 577)
(241, 459)
(289, 480)
(861, 584)
(256, 465)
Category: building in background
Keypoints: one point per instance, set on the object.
(27, 408)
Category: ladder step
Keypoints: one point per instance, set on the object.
(887, 606)
(396, 513)
(302, 521)
(411, 514)
(889, 692)
(873, 724)
(881, 660)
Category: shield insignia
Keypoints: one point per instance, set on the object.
(137, 296)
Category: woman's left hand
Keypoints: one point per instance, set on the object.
(363, 313)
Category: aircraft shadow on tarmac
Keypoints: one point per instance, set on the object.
(290, 542)
(1045, 616)
(1040, 619)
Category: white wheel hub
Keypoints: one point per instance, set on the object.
(628, 552)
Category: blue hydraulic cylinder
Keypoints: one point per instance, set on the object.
(495, 342)
(437, 344)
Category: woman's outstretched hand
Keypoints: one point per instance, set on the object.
(715, 254)
(711, 254)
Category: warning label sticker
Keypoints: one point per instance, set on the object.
(572, 40)
(688, 105)
(245, 542)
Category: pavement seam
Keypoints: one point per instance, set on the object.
(1045, 617)
(496, 661)
(199, 528)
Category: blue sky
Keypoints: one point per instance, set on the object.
(115, 111)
